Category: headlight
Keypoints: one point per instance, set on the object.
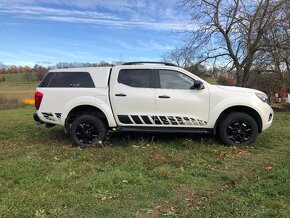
(263, 97)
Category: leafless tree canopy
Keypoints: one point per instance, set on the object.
(182, 57)
(238, 33)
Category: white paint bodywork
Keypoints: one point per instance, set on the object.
(137, 100)
(63, 100)
(202, 107)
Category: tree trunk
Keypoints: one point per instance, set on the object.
(246, 75)
(239, 74)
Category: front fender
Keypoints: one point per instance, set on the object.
(217, 109)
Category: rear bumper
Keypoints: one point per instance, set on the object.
(36, 118)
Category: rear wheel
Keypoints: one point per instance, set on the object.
(238, 129)
(87, 130)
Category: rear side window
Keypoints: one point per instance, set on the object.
(141, 78)
(45, 82)
(68, 79)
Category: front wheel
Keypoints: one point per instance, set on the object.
(238, 129)
(86, 130)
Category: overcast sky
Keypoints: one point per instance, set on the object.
(51, 31)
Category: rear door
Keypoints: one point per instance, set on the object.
(176, 104)
(133, 96)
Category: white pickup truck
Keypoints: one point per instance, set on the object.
(151, 97)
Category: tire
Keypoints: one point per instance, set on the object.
(238, 129)
(87, 130)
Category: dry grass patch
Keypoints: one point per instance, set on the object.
(9, 103)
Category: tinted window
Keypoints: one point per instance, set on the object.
(68, 79)
(45, 82)
(141, 78)
(174, 80)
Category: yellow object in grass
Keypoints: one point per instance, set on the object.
(28, 101)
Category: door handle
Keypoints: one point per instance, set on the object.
(120, 95)
(163, 96)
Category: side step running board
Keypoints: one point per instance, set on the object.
(165, 130)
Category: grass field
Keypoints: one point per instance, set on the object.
(137, 175)
(140, 175)
(16, 87)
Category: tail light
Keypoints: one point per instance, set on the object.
(37, 98)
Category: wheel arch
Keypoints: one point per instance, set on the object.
(85, 109)
(244, 109)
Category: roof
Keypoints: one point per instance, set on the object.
(149, 62)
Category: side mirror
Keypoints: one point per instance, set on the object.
(198, 85)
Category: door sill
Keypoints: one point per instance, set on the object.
(165, 129)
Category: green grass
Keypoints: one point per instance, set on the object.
(135, 174)
(16, 79)
(211, 80)
(16, 87)
(140, 175)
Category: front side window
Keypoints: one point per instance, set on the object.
(68, 79)
(170, 79)
(140, 78)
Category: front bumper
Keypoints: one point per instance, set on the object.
(267, 115)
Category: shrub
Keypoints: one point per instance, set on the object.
(288, 88)
(8, 103)
(266, 82)
(199, 70)
(226, 80)
(2, 79)
(41, 73)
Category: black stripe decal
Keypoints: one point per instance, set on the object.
(156, 120)
(180, 121)
(146, 119)
(172, 120)
(124, 119)
(136, 119)
(58, 115)
(164, 120)
(48, 116)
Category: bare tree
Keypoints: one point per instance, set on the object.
(182, 57)
(275, 52)
(12, 69)
(104, 64)
(232, 31)
(26, 71)
(61, 65)
(40, 71)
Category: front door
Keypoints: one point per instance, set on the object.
(179, 106)
(133, 97)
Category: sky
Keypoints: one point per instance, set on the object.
(50, 31)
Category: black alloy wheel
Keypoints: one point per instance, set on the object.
(238, 129)
(87, 130)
